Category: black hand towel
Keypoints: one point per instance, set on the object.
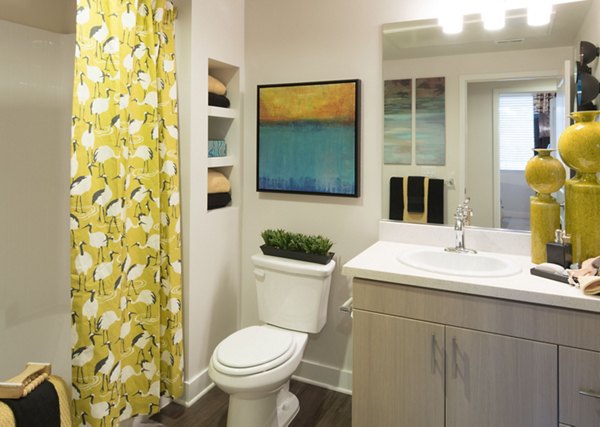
(416, 194)
(435, 201)
(38, 408)
(396, 198)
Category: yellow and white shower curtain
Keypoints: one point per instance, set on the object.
(125, 213)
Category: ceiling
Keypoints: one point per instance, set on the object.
(424, 38)
(51, 15)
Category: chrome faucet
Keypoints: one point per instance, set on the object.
(462, 218)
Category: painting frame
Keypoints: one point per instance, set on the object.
(308, 138)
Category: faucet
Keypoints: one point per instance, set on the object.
(462, 218)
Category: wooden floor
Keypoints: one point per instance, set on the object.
(319, 407)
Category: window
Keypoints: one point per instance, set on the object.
(515, 130)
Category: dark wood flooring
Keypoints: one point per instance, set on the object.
(319, 407)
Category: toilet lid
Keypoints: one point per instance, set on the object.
(254, 349)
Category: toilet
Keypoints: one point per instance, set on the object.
(254, 365)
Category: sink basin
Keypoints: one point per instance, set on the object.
(459, 264)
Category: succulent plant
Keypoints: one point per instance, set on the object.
(298, 242)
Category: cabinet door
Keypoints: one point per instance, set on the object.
(398, 372)
(494, 380)
(579, 392)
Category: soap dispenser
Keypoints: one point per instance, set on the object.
(559, 251)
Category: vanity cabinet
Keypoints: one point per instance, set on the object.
(425, 357)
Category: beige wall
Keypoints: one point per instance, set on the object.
(304, 41)
(51, 15)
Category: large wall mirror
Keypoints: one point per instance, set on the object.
(488, 75)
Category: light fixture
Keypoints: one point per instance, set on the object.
(539, 12)
(493, 15)
(588, 52)
(451, 20)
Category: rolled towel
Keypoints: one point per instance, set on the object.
(216, 86)
(218, 100)
(218, 200)
(217, 182)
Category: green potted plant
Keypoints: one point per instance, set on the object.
(298, 246)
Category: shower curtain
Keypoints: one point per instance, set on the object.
(127, 347)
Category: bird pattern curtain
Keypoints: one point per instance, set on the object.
(125, 214)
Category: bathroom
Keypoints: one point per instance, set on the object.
(271, 42)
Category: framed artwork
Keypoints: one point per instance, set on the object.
(308, 138)
(430, 121)
(397, 132)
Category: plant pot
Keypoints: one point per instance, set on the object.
(301, 256)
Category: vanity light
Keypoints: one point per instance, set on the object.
(493, 15)
(539, 12)
(451, 21)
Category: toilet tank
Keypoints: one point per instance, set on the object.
(292, 294)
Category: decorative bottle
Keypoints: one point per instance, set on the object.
(579, 147)
(545, 175)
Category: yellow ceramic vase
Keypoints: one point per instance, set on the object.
(544, 174)
(579, 147)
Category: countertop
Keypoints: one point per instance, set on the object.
(378, 262)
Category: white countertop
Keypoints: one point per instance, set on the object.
(379, 262)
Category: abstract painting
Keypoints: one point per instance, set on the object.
(308, 138)
(397, 133)
(430, 121)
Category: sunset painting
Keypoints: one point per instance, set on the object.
(308, 138)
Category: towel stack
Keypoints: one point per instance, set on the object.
(216, 93)
(417, 199)
(219, 190)
(217, 148)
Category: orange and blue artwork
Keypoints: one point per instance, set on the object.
(308, 138)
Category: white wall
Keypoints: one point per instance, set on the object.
(36, 81)
(211, 240)
(304, 41)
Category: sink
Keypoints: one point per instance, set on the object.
(459, 264)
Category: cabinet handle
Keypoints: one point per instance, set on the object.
(454, 359)
(593, 394)
(433, 346)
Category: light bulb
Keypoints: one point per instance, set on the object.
(493, 16)
(539, 12)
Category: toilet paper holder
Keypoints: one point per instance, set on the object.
(347, 306)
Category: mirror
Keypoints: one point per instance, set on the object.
(478, 67)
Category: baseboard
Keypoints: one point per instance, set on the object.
(195, 388)
(309, 372)
(324, 376)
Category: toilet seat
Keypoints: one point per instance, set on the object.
(252, 350)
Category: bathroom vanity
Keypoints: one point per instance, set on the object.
(433, 349)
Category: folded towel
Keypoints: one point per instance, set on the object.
(216, 86)
(217, 182)
(217, 148)
(433, 210)
(218, 200)
(218, 100)
(416, 194)
(38, 408)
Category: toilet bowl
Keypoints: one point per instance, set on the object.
(257, 377)
(254, 365)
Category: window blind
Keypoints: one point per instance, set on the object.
(515, 130)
